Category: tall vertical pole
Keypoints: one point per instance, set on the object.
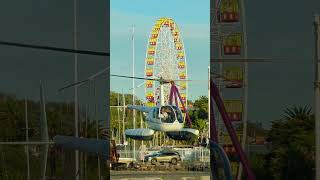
(161, 95)
(97, 127)
(77, 177)
(27, 138)
(133, 99)
(119, 139)
(86, 135)
(209, 97)
(123, 117)
(317, 93)
(245, 86)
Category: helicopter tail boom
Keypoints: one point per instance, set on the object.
(140, 108)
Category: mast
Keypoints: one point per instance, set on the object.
(317, 93)
(133, 99)
(27, 138)
(77, 177)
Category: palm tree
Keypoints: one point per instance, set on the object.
(296, 112)
(11, 119)
(292, 137)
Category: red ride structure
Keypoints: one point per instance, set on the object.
(215, 97)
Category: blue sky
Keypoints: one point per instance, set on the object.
(193, 19)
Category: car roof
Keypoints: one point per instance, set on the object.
(166, 151)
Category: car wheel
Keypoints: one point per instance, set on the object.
(174, 161)
(153, 161)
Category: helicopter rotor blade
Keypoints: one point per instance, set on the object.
(90, 78)
(73, 84)
(254, 60)
(216, 75)
(137, 86)
(132, 77)
(151, 79)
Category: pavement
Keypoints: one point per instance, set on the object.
(159, 175)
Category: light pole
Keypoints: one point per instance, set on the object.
(317, 93)
(77, 177)
(27, 138)
(133, 99)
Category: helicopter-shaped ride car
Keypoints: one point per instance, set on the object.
(163, 117)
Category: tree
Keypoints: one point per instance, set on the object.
(293, 141)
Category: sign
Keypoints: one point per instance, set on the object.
(232, 44)
(234, 109)
(234, 76)
(228, 11)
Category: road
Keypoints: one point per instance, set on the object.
(159, 175)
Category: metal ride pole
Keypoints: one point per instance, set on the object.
(220, 105)
(133, 99)
(317, 93)
(77, 177)
(245, 87)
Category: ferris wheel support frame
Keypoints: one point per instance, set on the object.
(242, 24)
(245, 103)
(214, 91)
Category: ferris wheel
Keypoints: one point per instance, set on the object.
(165, 58)
(229, 34)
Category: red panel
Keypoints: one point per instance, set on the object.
(232, 50)
(235, 116)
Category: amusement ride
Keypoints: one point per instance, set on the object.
(165, 85)
(166, 101)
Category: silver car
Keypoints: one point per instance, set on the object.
(170, 157)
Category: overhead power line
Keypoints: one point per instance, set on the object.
(50, 48)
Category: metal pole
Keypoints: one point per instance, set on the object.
(123, 117)
(231, 131)
(86, 135)
(133, 99)
(27, 138)
(97, 127)
(77, 177)
(119, 118)
(209, 97)
(317, 93)
(245, 87)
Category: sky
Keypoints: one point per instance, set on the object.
(195, 31)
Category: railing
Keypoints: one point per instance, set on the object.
(195, 154)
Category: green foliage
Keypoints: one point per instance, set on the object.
(293, 147)
(199, 114)
(259, 167)
(200, 109)
(116, 114)
(60, 118)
